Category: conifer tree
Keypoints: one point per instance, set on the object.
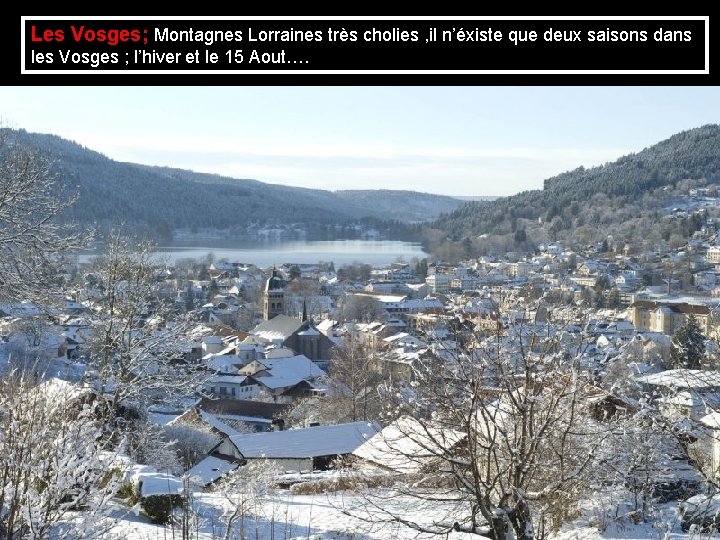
(688, 346)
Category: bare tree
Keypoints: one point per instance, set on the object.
(138, 337)
(150, 445)
(303, 296)
(499, 436)
(191, 442)
(352, 380)
(27, 346)
(32, 240)
(351, 388)
(362, 308)
(246, 490)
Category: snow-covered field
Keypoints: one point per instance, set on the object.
(284, 515)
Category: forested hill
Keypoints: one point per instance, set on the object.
(411, 205)
(581, 196)
(164, 199)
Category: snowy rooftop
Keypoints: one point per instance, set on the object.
(309, 332)
(288, 371)
(210, 469)
(416, 303)
(325, 325)
(227, 351)
(21, 309)
(395, 337)
(386, 298)
(153, 482)
(226, 379)
(224, 363)
(683, 378)
(711, 420)
(692, 399)
(275, 382)
(279, 327)
(279, 352)
(407, 445)
(305, 443)
(213, 421)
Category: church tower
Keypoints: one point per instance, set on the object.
(273, 296)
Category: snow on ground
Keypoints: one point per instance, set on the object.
(342, 515)
(283, 514)
(161, 419)
(612, 515)
(163, 415)
(154, 482)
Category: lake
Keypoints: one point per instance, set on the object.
(340, 252)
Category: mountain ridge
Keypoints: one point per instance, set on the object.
(573, 199)
(165, 199)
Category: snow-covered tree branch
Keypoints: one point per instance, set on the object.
(57, 471)
(139, 338)
(31, 238)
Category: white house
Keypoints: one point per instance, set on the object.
(713, 255)
(231, 386)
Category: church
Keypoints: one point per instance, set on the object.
(297, 333)
(274, 296)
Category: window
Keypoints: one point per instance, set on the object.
(223, 390)
(232, 390)
(212, 389)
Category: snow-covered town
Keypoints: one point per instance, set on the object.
(234, 391)
(378, 313)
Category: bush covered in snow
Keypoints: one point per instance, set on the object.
(159, 508)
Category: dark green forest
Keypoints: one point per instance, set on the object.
(160, 200)
(626, 198)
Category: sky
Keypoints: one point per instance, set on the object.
(455, 140)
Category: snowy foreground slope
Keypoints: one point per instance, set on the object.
(282, 515)
(288, 516)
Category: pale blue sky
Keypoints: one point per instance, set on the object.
(453, 140)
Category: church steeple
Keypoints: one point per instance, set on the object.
(273, 296)
(304, 314)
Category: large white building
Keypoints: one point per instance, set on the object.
(439, 283)
(667, 317)
(713, 255)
